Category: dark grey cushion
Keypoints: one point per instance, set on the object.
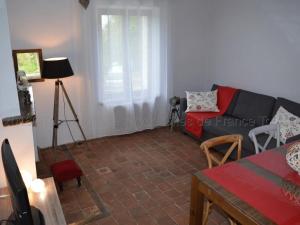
(225, 125)
(254, 107)
(290, 106)
(231, 107)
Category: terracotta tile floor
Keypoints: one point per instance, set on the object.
(143, 178)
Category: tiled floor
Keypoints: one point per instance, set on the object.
(143, 178)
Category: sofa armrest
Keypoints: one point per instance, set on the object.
(292, 139)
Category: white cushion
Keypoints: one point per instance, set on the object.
(288, 122)
(202, 101)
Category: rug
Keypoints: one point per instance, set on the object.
(81, 205)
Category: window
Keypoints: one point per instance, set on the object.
(128, 60)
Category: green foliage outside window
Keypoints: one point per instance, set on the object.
(29, 63)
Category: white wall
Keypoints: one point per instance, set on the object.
(50, 25)
(190, 20)
(20, 136)
(248, 44)
(21, 141)
(9, 104)
(255, 45)
(252, 45)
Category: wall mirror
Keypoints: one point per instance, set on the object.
(29, 61)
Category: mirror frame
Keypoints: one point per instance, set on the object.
(15, 59)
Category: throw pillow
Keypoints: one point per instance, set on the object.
(202, 101)
(288, 122)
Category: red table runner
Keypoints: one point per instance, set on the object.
(261, 182)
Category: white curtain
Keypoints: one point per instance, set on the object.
(125, 66)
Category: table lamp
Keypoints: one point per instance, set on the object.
(58, 68)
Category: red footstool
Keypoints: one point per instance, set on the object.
(66, 170)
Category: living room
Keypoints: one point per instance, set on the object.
(134, 168)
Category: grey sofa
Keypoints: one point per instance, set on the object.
(246, 111)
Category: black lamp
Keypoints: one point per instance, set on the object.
(57, 68)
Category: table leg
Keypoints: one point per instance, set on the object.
(197, 200)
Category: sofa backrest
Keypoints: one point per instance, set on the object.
(292, 107)
(253, 107)
(233, 102)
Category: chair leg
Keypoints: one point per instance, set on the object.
(79, 181)
(206, 211)
(231, 222)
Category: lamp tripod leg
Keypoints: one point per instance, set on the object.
(170, 117)
(72, 109)
(55, 114)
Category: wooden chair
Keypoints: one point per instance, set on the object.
(207, 146)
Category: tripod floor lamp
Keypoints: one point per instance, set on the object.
(57, 68)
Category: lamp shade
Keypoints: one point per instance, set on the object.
(55, 68)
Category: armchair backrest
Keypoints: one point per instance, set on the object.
(271, 129)
(235, 141)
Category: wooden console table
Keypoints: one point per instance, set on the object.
(48, 202)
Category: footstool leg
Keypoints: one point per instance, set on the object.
(79, 181)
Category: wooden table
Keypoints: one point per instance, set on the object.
(48, 202)
(261, 189)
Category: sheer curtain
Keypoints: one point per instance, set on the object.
(126, 65)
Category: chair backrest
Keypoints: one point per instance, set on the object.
(274, 132)
(236, 143)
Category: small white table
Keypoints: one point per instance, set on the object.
(48, 202)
